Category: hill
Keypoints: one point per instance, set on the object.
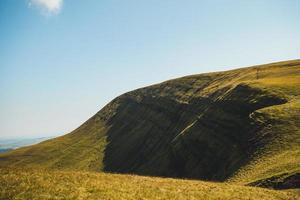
(240, 126)
(41, 184)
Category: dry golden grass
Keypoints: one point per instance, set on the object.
(41, 184)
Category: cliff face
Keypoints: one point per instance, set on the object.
(214, 126)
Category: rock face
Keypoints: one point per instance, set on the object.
(214, 126)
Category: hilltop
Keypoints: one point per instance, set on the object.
(241, 126)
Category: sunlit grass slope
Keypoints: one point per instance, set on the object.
(241, 126)
(37, 184)
(279, 158)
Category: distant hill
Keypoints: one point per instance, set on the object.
(241, 126)
(2, 150)
(7, 144)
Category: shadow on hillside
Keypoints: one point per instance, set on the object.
(206, 138)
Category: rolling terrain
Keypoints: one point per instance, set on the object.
(240, 126)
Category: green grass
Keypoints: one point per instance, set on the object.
(41, 184)
(80, 150)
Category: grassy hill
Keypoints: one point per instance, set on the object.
(41, 184)
(241, 126)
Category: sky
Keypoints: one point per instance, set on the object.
(61, 61)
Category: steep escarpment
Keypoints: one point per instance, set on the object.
(204, 137)
(240, 125)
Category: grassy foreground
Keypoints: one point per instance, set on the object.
(47, 184)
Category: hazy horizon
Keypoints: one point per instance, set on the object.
(62, 61)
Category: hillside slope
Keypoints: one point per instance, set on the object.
(241, 125)
(40, 184)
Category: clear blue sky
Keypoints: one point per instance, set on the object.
(61, 61)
